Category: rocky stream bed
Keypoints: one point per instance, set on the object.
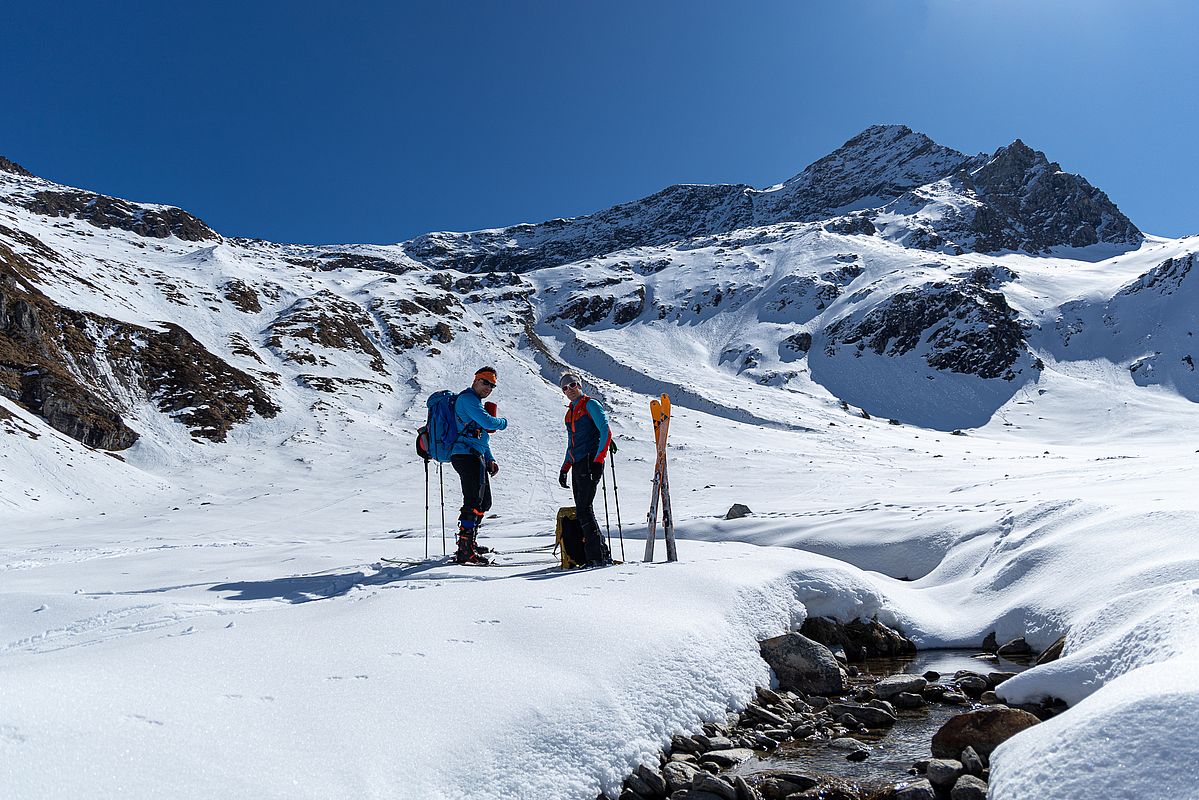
(857, 714)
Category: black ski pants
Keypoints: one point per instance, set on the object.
(476, 488)
(585, 478)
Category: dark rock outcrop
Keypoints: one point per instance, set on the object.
(186, 380)
(1032, 205)
(967, 329)
(60, 364)
(1053, 652)
(72, 409)
(1014, 199)
(38, 342)
(860, 639)
(14, 168)
(242, 295)
(737, 511)
(105, 212)
(329, 321)
(342, 260)
(418, 320)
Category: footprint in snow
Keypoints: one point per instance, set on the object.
(487, 622)
(8, 733)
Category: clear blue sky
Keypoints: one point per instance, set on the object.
(376, 121)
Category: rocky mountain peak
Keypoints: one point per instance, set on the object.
(1033, 205)
(1010, 166)
(875, 166)
(15, 168)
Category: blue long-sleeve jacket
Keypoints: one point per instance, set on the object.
(473, 424)
(587, 433)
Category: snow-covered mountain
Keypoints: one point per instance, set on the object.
(165, 387)
(883, 248)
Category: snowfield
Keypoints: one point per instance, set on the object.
(197, 619)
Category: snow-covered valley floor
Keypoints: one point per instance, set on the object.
(221, 636)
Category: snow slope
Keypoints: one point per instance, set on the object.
(199, 618)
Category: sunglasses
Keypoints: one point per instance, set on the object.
(570, 386)
(487, 382)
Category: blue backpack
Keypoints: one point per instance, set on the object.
(435, 440)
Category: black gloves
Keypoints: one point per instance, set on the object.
(597, 471)
(562, 477)
(612, 446)
(493, 467)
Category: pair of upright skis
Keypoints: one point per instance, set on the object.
(660, 411)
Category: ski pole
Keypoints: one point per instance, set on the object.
(441, 482)
(607, 520)
(616, 494)
(426, 507)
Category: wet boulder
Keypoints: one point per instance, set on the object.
(803, 665)
(869, 716)
(969, 787)
(678, 775)
(983, 729)
(894, 684)
(918, 790)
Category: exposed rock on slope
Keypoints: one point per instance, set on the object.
(14, 168)
(1032, 205)
(1149, 325)
(39, 343)
(186, 381)
(110, 212)
(959, 326)
(72, 368)
(326, 322)
(1015, 199)
(879, 164)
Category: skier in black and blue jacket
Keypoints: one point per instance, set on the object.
(588, 440)
(473, 461)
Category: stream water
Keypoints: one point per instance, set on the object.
(892, 753)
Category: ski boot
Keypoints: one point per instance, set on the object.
(468, 552)
(481, 549)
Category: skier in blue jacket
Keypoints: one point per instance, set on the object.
(588, 440)
(474, 463)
